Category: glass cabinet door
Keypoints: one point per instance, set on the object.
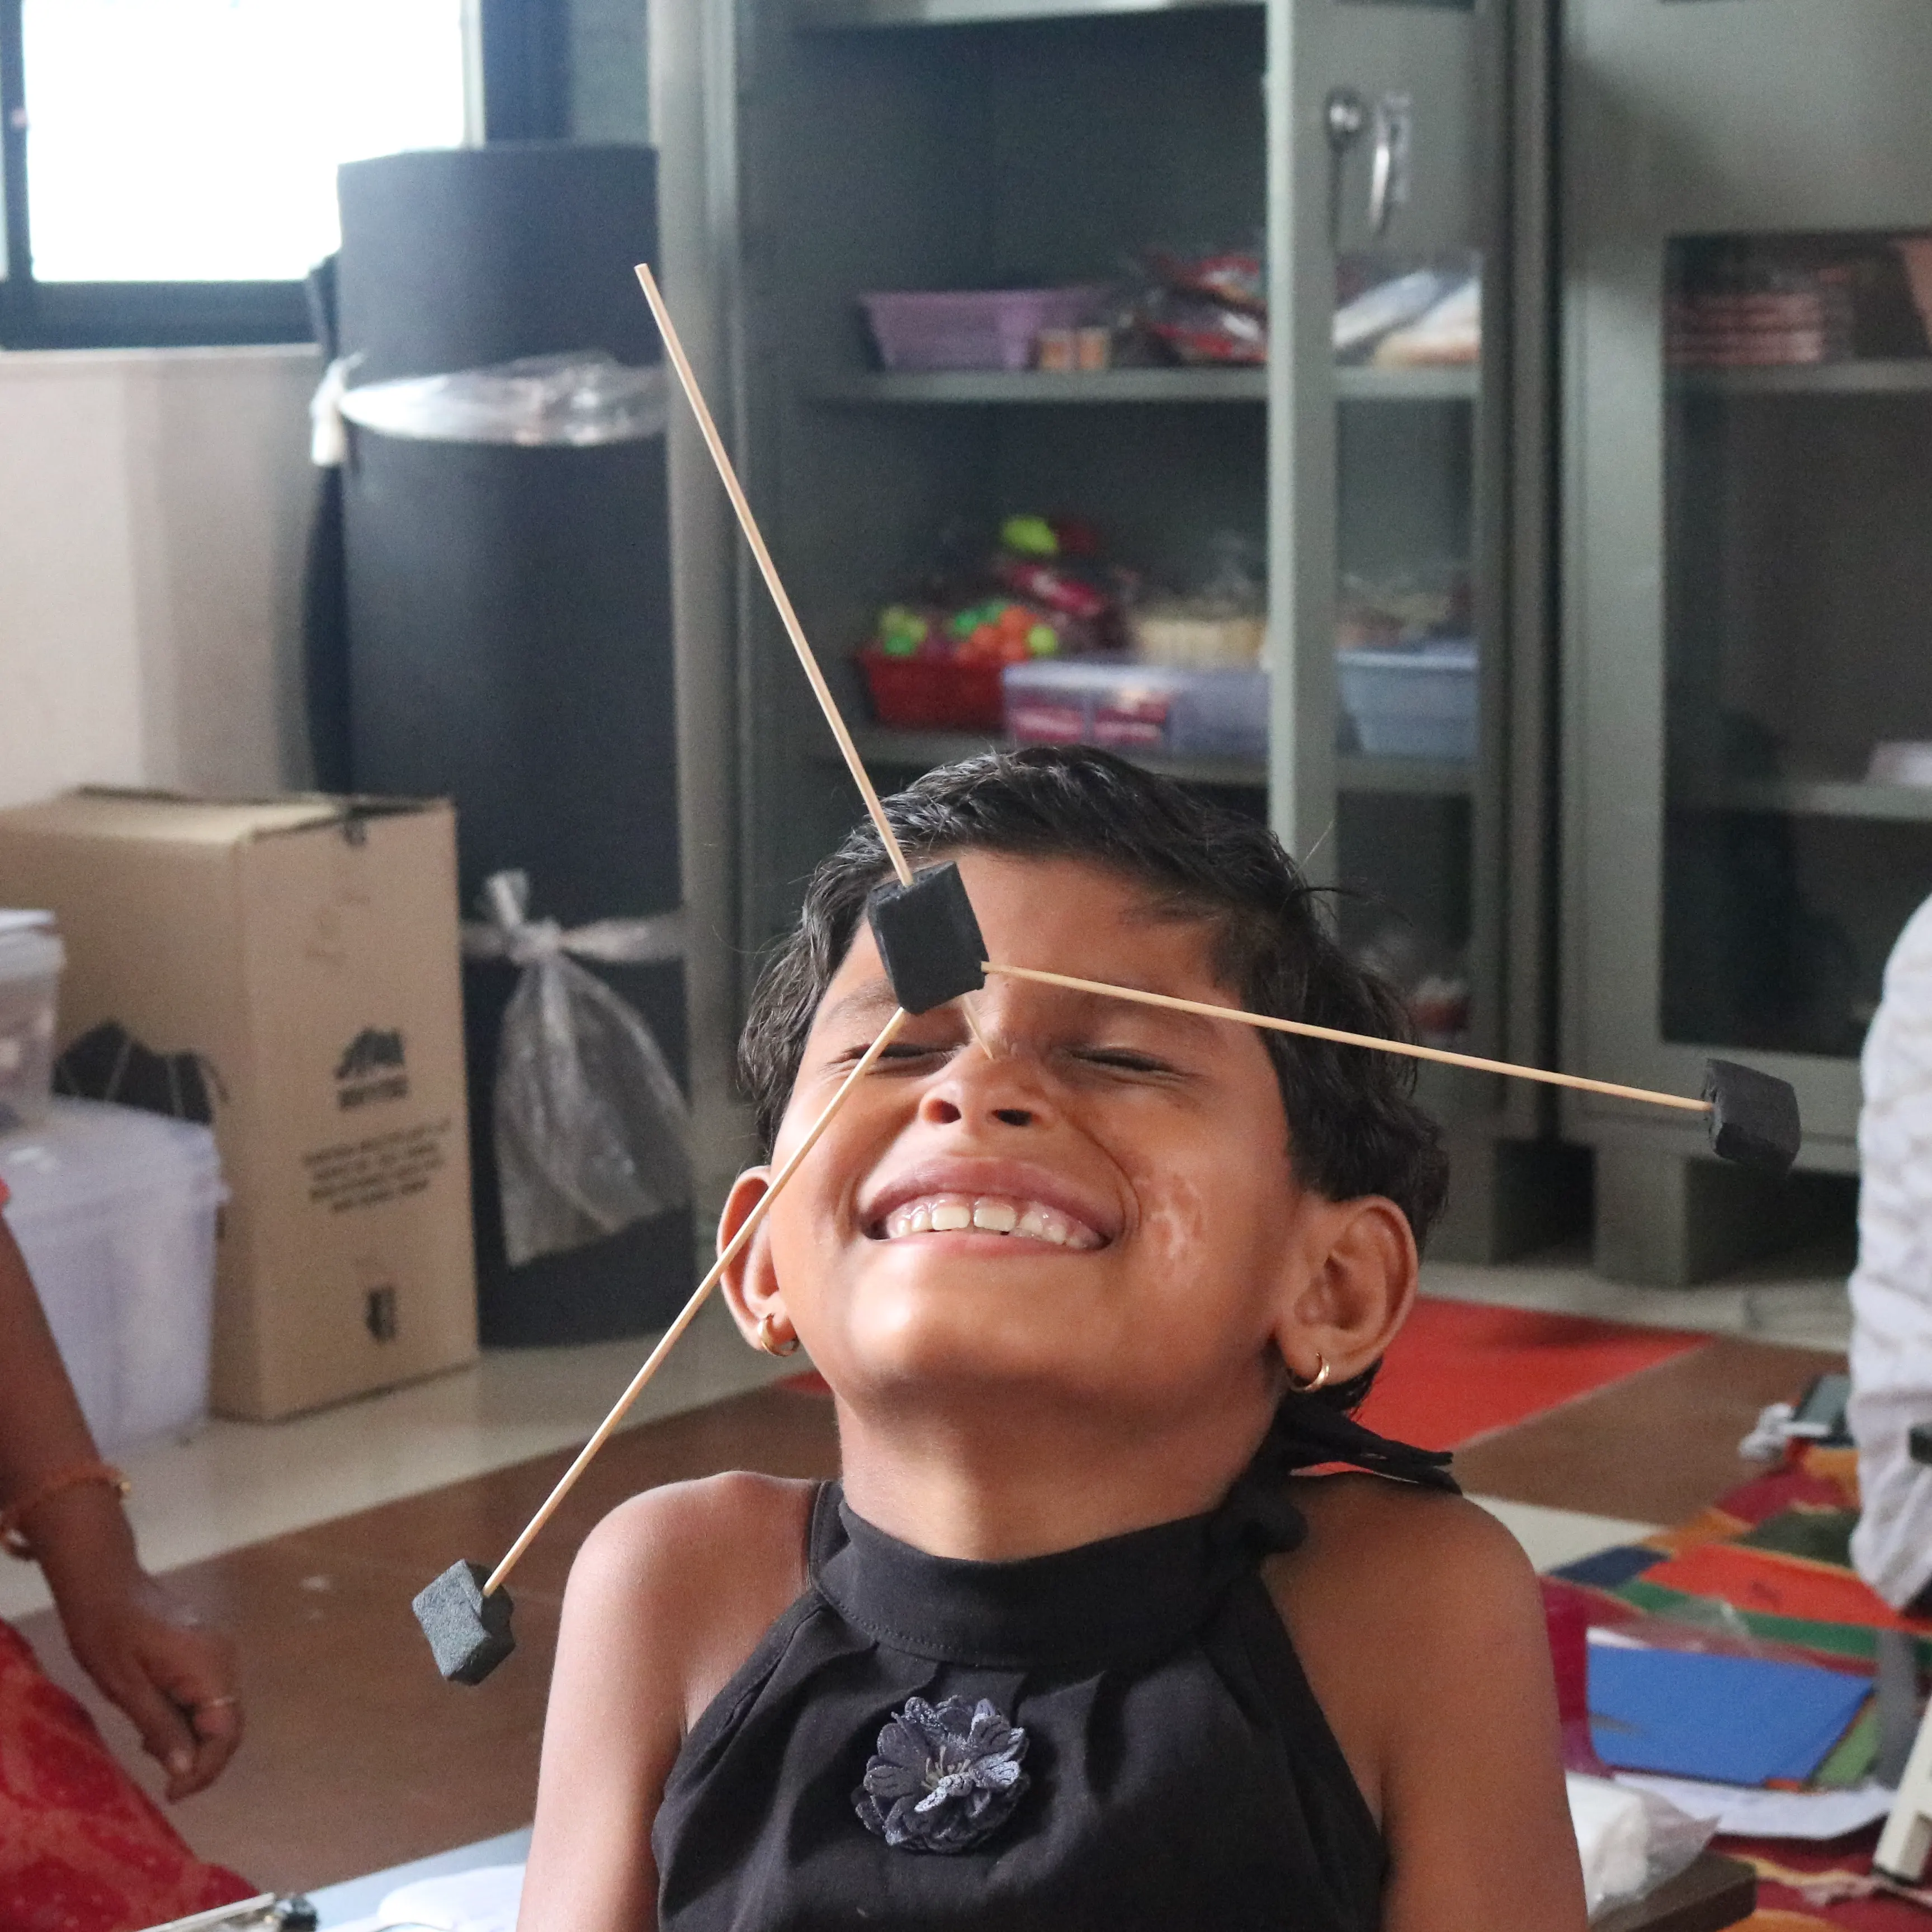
(1390, 505)
(1750, 426)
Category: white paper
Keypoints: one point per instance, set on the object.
(482, 1900)
(1749, 1812)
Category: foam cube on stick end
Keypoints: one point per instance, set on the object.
(468, 1633)
(928, 937)
(1753, 1116)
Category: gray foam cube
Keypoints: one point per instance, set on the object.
(928, 937)
(468, 1633)
(1753, 1116)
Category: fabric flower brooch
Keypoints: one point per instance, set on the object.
(945, 1777)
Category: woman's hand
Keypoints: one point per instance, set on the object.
(145, 1648)
(175, 1681)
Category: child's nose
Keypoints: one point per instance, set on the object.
(999, 1094)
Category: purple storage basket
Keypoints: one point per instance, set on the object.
(972, 328)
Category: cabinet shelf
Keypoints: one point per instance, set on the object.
(1033, 386)
(1813, 798)
(1040, 385)
(1815, 378)
(897, 751)
(1452, 382)
(830, 13)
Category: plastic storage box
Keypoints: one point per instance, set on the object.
(1137, 707)
(1412, 703)
(971, 329)
(31, 958)
(115, 1211)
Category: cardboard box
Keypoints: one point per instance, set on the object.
(296, 960)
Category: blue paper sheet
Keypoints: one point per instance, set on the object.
(1608, 1568)
(1732, 1719)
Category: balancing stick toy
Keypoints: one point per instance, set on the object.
(466, 1613)
(930, 945)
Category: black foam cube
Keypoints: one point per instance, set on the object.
(468, 1633)
(1753, 1116)
(929, 938)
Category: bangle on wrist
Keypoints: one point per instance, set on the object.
(13, 1537)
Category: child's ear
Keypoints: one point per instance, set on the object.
(751, 1283)
(1353, 1290)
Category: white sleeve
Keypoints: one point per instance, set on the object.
(1891, 1286)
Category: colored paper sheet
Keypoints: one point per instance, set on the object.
(1462, 1368)
(1730, 1720)
(1751, 1814)
(1607, 1569)
(1752, 1580)
(1764, 1496)
(1817, 1535)
(1854, 1753)
(1859, 1642)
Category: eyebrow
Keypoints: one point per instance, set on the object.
(873, 1000)
(873, 997)
(1194, 1025)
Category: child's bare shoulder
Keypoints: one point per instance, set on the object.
(1397, 1593)
(690, 1576)
(1387, 1553)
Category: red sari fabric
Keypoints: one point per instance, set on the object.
(83, 1848)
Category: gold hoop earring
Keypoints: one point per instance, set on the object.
(768, 1329)
(1296, 1385)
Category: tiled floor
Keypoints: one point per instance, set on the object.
(307, 1539)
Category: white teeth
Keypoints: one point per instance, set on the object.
(989, 1214)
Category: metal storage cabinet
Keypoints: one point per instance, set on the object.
(1746, 575)
(835, 146)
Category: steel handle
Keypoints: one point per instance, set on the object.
(1389, 168)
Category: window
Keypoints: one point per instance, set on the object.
(170, 164)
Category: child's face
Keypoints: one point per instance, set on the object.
(1136, 1234)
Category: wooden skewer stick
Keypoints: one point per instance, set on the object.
(748, 524)
(688, 379)
(1308, 1030)
(727, 1255)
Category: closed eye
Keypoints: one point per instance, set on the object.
(901, 1051)
(1124, 1060)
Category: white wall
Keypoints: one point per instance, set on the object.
(154, 510)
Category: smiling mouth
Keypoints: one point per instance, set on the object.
(1002, 1214)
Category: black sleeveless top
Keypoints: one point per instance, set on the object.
(1117, 1736)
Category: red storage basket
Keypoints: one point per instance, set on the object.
(933, 693)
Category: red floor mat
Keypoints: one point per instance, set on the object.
(1462, 1368)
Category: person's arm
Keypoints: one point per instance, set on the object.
(175, 1681)
(1418, 1619)
(667, 1596)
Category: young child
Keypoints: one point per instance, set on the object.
(1069, 1645)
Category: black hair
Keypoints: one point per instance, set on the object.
(1354, 1126)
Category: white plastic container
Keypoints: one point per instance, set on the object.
(114, 1210)
(31, 959)
(1415, 703)
(1137, 707)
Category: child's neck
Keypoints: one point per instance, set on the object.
(994, 1486)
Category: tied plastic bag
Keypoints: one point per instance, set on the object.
(1630, 1842)
(592, 1131)
(580, 399)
